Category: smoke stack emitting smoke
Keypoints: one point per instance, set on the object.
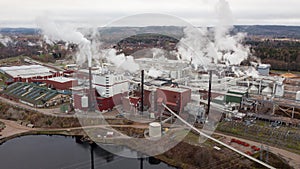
(53, 33)
(196, 46)
(121, 61)
(88, 49)
(5, 40)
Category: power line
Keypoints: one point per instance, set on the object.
(215, 140)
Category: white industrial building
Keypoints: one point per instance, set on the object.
(26, 72)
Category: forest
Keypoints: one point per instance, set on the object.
(275, 45)
(281, 54)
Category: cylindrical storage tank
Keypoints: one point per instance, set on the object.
(84, 101)
(267, 91)
(154, 130)
(298, 96)
(253, 90)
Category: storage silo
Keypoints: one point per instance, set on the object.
(253, 90)
(298, 96)
(154, 130)
(267, 91)
(84, 101)
(279, 91)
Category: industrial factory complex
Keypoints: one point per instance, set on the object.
(160, 93)
(236, 91)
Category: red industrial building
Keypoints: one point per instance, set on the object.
(29, 73)
(174, 97)
(61, 83)
(78, 94)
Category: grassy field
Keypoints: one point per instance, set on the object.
(284, 137)
(12, 60)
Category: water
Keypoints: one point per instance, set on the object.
(60, 152)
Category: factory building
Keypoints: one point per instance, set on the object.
(169, 68)
(235, 95)
(61, 83)
(264, 69)
(34, 95)
(108, 90)
(27, 73)
(175, 98)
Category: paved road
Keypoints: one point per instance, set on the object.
(13, 128)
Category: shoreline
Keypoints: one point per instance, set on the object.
(37, 132)
(73, 132)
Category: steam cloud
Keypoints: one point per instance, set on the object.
(53, 33)
(5, 40)
(88, 49)
(157, 53)
(251, 71)
(154, 72)
(121, 61)
(198, 47)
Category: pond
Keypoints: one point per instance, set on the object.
(62, 152)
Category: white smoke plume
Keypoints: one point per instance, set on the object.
(198, 47)
(157, 53)
(251, 71)
(154, 72)
(121, 61)
(5, 40)
(193, 45)
(57, 32)
(88, 49)
(96, 45)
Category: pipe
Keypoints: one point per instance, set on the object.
(209, 91)
(142, 91)
(90, 90)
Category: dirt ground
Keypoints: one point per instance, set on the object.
(292, 158)
(12, 128)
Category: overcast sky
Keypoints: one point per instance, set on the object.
(17, 13)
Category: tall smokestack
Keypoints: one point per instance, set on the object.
(90, 90)
(92, 156)
(142, 91)
(209, 91)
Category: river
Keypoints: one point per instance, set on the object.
(62, 152)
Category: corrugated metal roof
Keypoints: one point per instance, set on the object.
(27, 71)
(30, 92)
(174, 89)
(61, 79)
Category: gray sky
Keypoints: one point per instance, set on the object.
(15, 13)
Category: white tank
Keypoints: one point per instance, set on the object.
(84, 101)
(298, 96)
(154, 130)
(253, 90)
(267, 91)
(279, 91)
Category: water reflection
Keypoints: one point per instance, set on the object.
(60, 152)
